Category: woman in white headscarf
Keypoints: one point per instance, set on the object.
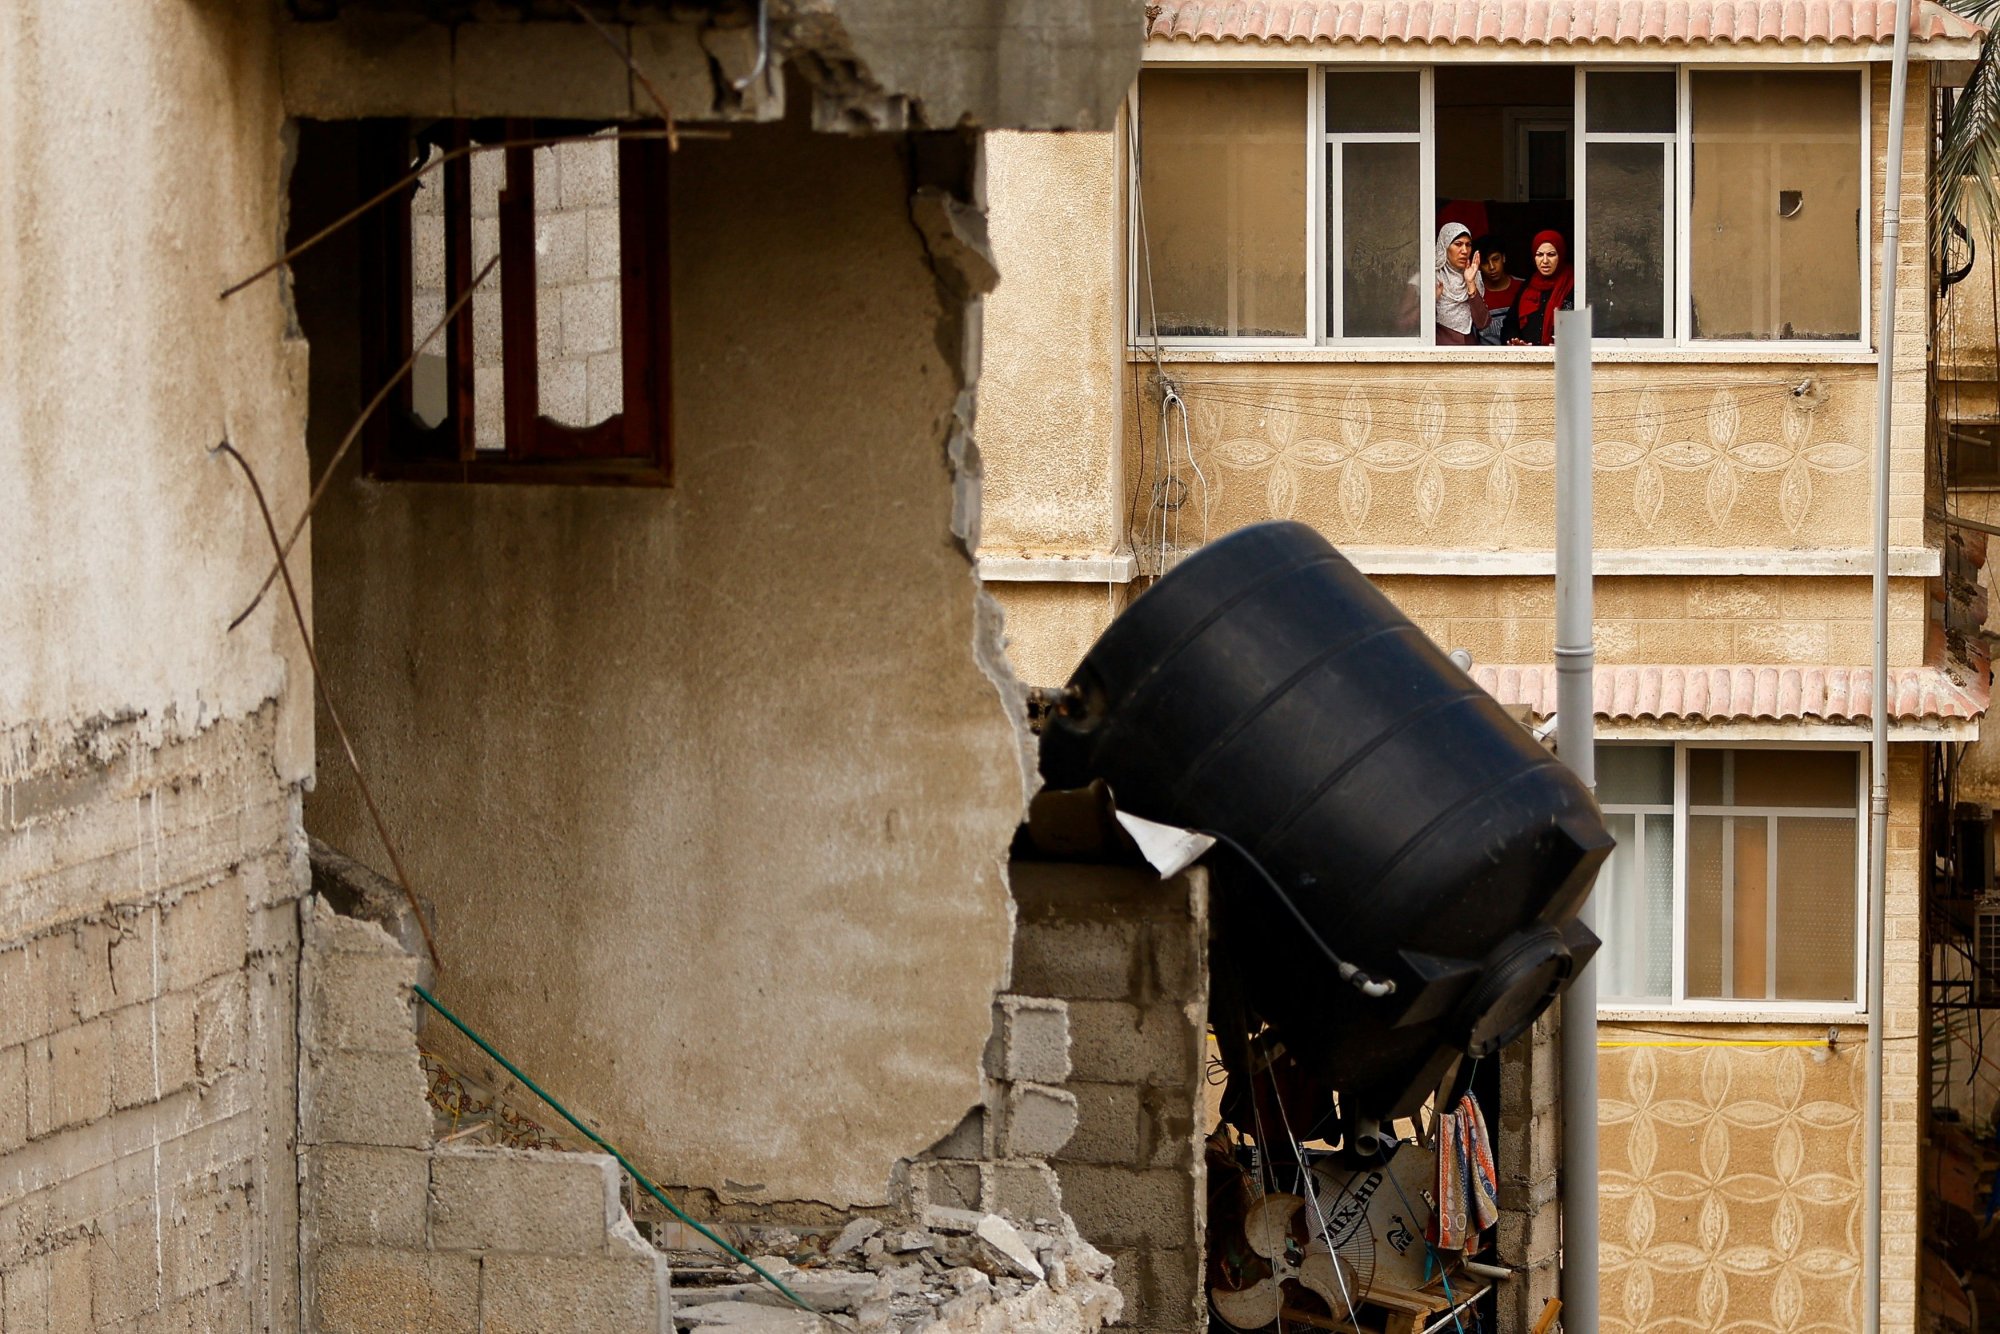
(1461, 292)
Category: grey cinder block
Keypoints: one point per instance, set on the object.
(522, 1201)
(1030, 1039)
(1040, 1120)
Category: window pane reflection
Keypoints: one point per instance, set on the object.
(1223, 189)
(1626, 238)
(1381, 218)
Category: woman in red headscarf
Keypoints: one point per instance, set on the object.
(1553, 288)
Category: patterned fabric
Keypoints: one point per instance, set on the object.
(1468, 1187)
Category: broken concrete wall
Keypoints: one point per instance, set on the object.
(1129, 954)
(1004, 64)
(873, 64)
(149, 758)
(401, 1234)
(711, 786)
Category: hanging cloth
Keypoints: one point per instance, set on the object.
(1468, 1187)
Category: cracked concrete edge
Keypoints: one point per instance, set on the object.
(872, 66)
(876, 66)
(956, 242)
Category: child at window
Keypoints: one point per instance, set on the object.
(1501, 289)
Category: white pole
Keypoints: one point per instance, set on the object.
(1878, 748)
(1576, 660)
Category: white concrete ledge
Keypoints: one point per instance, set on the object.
(1777, 355)
(1053, 569)
(1904, 563)
(1758, 1013)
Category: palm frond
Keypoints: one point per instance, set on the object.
(1982, 12)
(1967, 178)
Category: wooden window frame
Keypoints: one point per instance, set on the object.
(631, 447)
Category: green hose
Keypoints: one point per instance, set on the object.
(603, 1144)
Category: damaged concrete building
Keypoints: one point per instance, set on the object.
(643, 620)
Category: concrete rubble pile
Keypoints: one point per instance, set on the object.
(962, 1270)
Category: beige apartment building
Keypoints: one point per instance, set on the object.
(1222, 314)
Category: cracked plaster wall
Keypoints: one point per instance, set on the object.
(712, 786)
(130, 545)
(149, 760)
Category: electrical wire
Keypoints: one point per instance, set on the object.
(644, 1182)
(332, 713)
(1366, 984)
(1309, 1187)
(1430, 1247)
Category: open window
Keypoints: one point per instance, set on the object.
(1973, 456)
(1506, 170)
(1301, 205)
(556, 369)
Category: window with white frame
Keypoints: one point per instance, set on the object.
(1737, 878)
(1301, 205)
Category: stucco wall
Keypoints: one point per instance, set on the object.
(1657, 619)
(1382, 451)
(1740, 511)
(1048, 389)
(709, 786)
(1688, 454)
(132, 545)
(1511, 619)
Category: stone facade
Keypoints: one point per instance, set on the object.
(1732, 493)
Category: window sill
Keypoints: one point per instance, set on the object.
(1823, 1017)
(1604, 354)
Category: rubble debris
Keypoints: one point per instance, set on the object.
(960, 1270)
(1007, 1249)
(852, 1236)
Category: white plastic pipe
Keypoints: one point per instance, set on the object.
(1878, 746)
(1576, 745)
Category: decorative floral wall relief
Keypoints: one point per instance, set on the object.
(1731, 1189)
(1417, 432)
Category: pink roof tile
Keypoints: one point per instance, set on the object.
(1746, 693)
(1551, 22)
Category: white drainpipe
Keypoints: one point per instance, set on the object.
(1576, 744)
(1878, 748)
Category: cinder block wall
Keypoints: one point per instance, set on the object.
(996, 1159)
(401, 1235)
(1529, 1157)
(1129, 954)
(148, 937)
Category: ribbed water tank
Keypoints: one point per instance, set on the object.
(1267, 691)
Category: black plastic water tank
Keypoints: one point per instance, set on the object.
(1266, 690)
